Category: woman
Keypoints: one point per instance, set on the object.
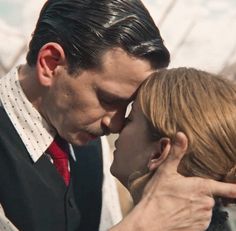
(200, 105)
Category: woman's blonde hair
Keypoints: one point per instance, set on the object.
(201, 105)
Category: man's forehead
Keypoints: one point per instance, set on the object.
(117, 61)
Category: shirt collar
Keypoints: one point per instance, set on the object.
(32, 128)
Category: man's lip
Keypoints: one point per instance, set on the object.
(96, 136)
(107, 133)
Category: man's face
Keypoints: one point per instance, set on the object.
(94, 103)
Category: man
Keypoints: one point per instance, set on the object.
(86, 60)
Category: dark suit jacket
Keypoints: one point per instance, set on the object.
(34, 196)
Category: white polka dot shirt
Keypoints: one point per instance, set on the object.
(37, 135)
(31, 127)
(5, 224)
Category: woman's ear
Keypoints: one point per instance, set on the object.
(160, 152)
(50, 56)
(162, 149)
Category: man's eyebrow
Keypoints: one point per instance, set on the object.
(114, 97)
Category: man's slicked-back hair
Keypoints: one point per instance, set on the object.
(86, 29)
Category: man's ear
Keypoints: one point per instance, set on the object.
(161, 150)
(50, 56)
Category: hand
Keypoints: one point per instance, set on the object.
(183, 203)
(172, 202)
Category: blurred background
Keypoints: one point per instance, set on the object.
(198, 33)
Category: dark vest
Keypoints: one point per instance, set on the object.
(34, 196)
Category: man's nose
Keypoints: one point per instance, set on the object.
(113, 121)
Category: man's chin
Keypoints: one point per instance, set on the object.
(82, 139)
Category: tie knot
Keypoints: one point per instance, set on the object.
(58, 149)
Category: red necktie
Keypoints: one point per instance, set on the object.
(58, 150)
